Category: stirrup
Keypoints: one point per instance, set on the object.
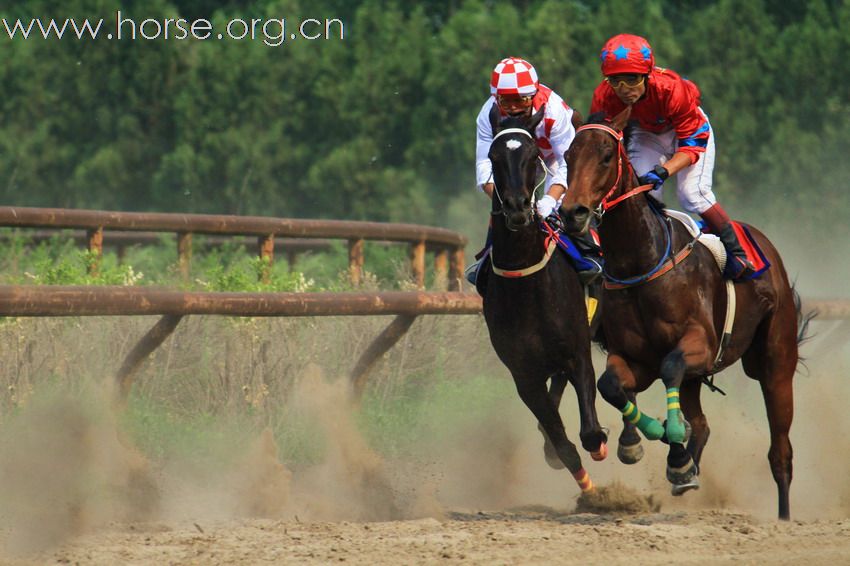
(471, 272)
(738, 268)
(588, 276)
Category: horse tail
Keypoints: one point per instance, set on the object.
(803, 320)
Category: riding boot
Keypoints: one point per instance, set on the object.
(737, 264)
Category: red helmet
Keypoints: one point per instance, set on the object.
(513, 76)
(627, 54)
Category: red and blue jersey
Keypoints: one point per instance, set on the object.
(670, 102)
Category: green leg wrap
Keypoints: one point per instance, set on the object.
(650, 427)
(675, 420)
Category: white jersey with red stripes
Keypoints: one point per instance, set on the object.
(554, 135)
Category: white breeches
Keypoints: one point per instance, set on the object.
(646, 150)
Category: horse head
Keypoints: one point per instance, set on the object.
(514, 155)
(597, 167)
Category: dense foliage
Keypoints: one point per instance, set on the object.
(380, 125)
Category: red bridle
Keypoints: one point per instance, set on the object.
(605, 205)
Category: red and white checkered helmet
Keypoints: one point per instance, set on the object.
(513, 76)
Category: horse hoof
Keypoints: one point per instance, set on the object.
(681, 489)
(554, 462)
(600, 454)
(630, 453)
(683, 479)
(551, 456)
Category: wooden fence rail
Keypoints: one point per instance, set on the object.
(172, 305)
(446, 245)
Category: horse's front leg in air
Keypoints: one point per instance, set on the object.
(618, 377)
(533, 393)
(593, 438)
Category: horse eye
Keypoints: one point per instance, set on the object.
(607, 157)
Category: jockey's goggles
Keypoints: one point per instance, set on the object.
(630, 80)
(513, 100)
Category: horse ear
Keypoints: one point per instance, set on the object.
(620, 120)
(577, 119)
(535, 119)
(495, 118)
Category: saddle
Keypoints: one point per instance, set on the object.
(715, 246)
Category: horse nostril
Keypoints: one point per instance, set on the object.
(580, 213)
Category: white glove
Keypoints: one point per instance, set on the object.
(545, 206)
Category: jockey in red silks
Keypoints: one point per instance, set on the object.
(516, 91)
(672, 136)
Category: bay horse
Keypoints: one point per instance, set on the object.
(534, 303)
(665, 310)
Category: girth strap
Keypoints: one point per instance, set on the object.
(671, 263)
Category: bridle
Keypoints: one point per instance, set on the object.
(551, 240)
(605, 205)
(667, 261)
(533, 209)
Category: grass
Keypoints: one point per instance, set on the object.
(229, 267)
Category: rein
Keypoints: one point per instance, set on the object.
(667, 261)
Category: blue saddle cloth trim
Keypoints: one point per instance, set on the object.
(565, 243)
(579, 261)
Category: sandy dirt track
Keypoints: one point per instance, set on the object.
(526, 536)
(73, 492)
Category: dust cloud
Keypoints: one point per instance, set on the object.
(68, 466)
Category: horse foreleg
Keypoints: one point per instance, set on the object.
(556, 391)
(692, 408)
(613, 384)
(537, 399)
(592, 436)
(629, 448)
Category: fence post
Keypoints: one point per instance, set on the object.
(355, 261)
(456, 263)
(441, 269)
(184, 253)
(266, 245)
(95, 244)
(417, 263)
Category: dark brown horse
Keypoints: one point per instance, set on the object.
(668, 318)
(534, 302)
